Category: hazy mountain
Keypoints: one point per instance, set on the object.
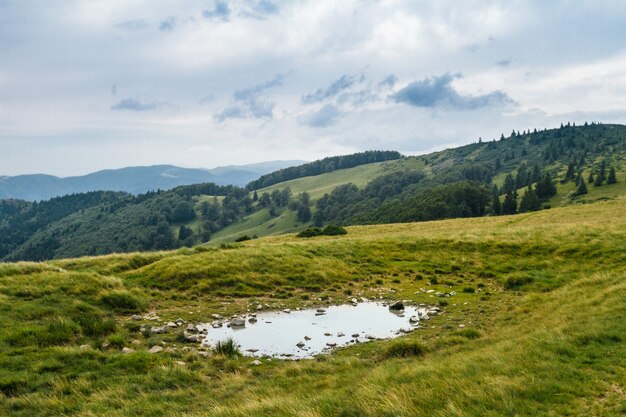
(133, 180)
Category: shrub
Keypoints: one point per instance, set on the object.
(443, 303)
(469, 290)
(310, 232)
(227, 348)
(122, 302)
(243, 238)
(332, 230)
(514, 282)
(404, 349)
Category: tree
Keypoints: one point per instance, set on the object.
(183, 212)
(590, 179)
(184, 232)
(545, 187)
(509, 184)
(530, 201)
(304, 214)
(264, 200)
(496, 206)
(255, 196)
(570, 172)
(510, 203)
(612, 178)
(305, 199)
(582, 187)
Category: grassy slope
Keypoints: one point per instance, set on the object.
(262, 224)
(554, 346)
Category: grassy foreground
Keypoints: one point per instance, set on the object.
(541, 297)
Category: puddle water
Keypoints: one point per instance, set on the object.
(305, 333)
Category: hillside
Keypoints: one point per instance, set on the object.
(534, 323)
(133, 180)
(526, 171)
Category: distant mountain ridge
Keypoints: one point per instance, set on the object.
(134, 180)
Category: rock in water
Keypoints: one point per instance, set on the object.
(397, 306)
(237, 322)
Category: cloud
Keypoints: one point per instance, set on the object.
(343, 83)
(324, 117)
(266, 7)
(168, 24)
(437, 91)
(135, 105)
(504, 62)
(220, 11)
(133, 25)
(389, 81)
(250, 103)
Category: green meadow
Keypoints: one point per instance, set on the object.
(538, 325)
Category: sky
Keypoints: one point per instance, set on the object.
(90, 85)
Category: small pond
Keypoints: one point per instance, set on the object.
(299, 334)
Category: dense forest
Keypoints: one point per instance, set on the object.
(517, 173)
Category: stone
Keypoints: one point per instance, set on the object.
(397, 306)
(158, 329)
(307, 338)
(355, 335)
(327, 334)
(340, 334)
(191, 338)
(255, 362)
(155, 349)
(300, 344)
(414, 319)
(354, 301)
(286, 311)
(320, 310)
(180, 363)
(85, 347)
(461, 325)
(204, 354)
(136, 317)
(136, 342)
(216, 316)
(192, 328)
(370, 337)
(127, 350)
(171, 325)
(179, 321)
(237, 322)
(331, 344)
(259, 307)
(252, 320)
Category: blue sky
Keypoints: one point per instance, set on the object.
(104, 84)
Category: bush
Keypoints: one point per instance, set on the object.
(329, 230)
(227, 348)
(404, 349)
(243, 238)
(469, 290)
(117, 341)
(122, 302)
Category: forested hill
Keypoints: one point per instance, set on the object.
(524, 171)
(322, 166)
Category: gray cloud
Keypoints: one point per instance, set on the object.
(324, 117)
(504, 62)
(389, 81)
(220, 11)
(135, 105)
(343, 83)
(250, 103)
(168, 24)
(438, 92)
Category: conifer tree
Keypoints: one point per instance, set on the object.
(496, 206)
(582, 187)
(510, 203)
(530, 201)
(612, 178)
